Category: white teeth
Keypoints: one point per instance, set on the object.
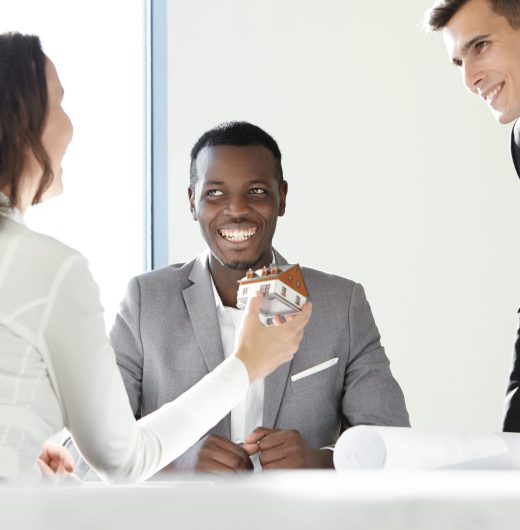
(492, 95)
(238, 235)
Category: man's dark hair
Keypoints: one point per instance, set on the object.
(237, 133)
(23, 111)
(441, 13)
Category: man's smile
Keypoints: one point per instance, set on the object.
(237, 234)
(491, 95)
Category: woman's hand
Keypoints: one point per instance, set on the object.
(264, 348)
(55, 461)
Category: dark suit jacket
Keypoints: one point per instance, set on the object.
(512, 415)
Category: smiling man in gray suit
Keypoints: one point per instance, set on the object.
(178, 323)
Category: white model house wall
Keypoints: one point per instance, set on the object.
(289, 294)
(245, 291)
(277, 291)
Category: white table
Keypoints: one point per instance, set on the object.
(321, 500)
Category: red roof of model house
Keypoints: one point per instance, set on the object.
(290, 275)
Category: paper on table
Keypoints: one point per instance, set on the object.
(367, 447)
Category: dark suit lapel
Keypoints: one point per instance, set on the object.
(275, 383)
(200, 303)
(515, 146)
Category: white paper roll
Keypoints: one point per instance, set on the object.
(367, 447)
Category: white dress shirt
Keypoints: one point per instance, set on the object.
(248, 414)
(58, 370)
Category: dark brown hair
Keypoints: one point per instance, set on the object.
(442, 12)
(23, 110)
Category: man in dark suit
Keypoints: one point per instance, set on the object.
(483, 40)
(512, 416)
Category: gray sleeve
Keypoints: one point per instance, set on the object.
(372, 395)
(125, 338)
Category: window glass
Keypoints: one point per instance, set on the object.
(98, 48)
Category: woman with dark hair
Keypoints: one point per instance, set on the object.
(56, 366)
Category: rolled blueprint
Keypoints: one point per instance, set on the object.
(367, 447)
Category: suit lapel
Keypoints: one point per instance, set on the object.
(275, 383)
(200, 303)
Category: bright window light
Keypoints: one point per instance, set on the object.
(98, 48)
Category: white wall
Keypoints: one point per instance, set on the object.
(397, 178)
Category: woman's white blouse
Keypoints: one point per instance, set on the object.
(58, 370)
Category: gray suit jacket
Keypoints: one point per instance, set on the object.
(167, 337)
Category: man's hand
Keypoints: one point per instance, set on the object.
(216, 455)
(55, 461)
(285, 450)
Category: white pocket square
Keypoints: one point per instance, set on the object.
(314, 369)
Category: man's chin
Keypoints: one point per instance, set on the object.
(506, 117)
(239, 265)
(504, 120)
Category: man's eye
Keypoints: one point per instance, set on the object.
(480, 45)
(214, 193)
(257, 191)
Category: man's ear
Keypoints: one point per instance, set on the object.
(283, 196)
(191, 197)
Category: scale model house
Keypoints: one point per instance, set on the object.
(282, 286)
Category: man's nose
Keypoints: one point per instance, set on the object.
(471, 77)
(238, 206)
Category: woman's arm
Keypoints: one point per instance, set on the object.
(94, 401)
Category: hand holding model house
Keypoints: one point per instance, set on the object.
(282, 287)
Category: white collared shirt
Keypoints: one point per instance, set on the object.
(13, 213)
(248, 414)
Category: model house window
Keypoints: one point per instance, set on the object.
(245, 290)
(284, 291)
(265, 289)
(298, 300)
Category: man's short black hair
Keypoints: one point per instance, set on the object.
(440, 14)
(238, 133)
